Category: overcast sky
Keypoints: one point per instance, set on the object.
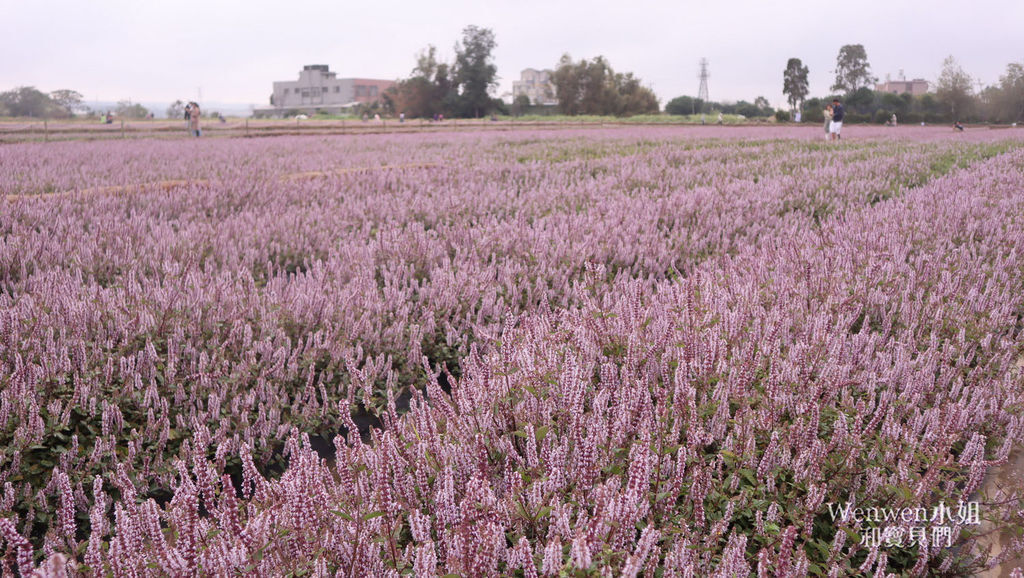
(232, 50)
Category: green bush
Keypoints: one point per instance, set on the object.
(856, 118)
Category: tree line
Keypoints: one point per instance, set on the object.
(30, 102)
(462, 89)
(954, 98)
(593, 87)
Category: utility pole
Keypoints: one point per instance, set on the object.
(702, 92)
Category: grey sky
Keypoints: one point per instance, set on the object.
(233, 50)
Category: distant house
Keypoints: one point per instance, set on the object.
(916, 87)
(320, 90)
(536, 85)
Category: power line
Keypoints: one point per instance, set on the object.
(702, 92)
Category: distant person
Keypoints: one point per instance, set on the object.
(892, 120)
(835, 128)
(401, 117)
(720, 118)
(193, 120)
(110, 118)
(958, 127)
(797, 116)
(827, 113)
(376, 118)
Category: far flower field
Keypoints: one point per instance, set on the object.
(667, 351)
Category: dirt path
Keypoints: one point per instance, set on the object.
(999, 483)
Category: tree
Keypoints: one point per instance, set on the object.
(894, 103)
(426, 63)
(177, 109)
(861, 100)
(69, 101)
(794, 83)
(125, 109)
(852, 69)
(1010, 97)
(954, 88)
(26, 101)
(566, 79)
(427, 92)
(475, 72)
(592, 87)
(684, 105)
(520, 104)
(634, 98)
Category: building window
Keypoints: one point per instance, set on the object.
(337, 89)
(305, 93)
(373, 91)
(285, 91)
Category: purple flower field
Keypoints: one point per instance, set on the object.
(658, 351)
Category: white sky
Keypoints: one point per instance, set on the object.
(232, 50)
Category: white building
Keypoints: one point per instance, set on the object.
(320, 90)
(536, 85)
(916, 87)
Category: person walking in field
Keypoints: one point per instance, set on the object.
(835, 128)
(192, 114)
(827, 113)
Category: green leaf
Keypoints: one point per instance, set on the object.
(748, 475)
(542, 432)
(373, 515)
